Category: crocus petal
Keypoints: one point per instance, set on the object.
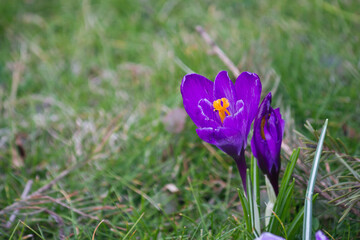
(272, 143)
(260, 151)
(224, 88)
(221, 137)
(210, 117)
(269, 236)
(282, 124)
(239, 122)
(266, 140)
(195, 87)
(248, 88)
(264, 107)
(320, 235)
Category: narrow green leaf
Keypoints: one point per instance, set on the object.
(334, 143)
(281, 224)
(245, 206)
(307, 224)
(256, 193)
(274, 226)
(343, 145)
(346, 212)
(288, 171)
(272, 199)
(296, 223)
(356, 175)
(132, 228)
(255, 179)
(251, 202)
(284, 209)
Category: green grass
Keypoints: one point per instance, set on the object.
(82, 63)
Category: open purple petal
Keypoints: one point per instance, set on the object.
(224, 88)
(195, 87)
(269, 236)
(218, 136)
(248, 88)
(320, 236)
(239, 122)
(208, 113)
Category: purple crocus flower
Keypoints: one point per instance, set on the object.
(269, 236)
(319, 235)
(266, 140)
(223, 112)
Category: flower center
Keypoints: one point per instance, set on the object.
(221, 108)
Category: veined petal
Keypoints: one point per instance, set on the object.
(248, 88)
(227, 139)
(224, 88)
(281, 124)
(207, 110)
(195, 87)
(239, 122)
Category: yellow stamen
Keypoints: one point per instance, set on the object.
(221, 108)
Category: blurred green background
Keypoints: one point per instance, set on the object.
(69, 68)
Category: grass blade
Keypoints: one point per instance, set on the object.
(255, 193)
(134, 225)
(255, 223)
(295, 224)
(307, 224)
(274, 226)
(245, 206)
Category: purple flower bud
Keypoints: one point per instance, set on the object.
(269, 236)
(266, 140)
(223, 111)
(320, 236)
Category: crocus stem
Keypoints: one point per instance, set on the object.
(241, 165)
(274, 179)
(272, 199)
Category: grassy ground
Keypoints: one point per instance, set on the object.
(73, 73)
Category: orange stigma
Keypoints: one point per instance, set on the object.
(221, 108)
(263, 122)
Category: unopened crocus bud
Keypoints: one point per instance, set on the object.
(266, 140)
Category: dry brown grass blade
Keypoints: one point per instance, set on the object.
(216, 49)
(56, 217)
(109, 130)
(23, 196)
(93, 236)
